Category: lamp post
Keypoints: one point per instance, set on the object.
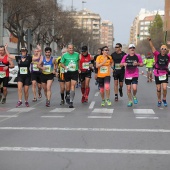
(1, 22)
(83, 2)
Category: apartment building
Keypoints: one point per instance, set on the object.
(88, 21)
(107, 33)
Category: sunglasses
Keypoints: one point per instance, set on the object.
(132, 48)
(163, 49)
(106, 50)
(117, 47)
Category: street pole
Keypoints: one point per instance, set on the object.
(1, 22)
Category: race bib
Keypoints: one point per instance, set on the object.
(163, 77)
(35, 68)
(72, 67)
(117, 66)
(104, 69)
(129, 78)
(2, 74)
(61, 70)
(23, 70)
(85, 65)
(47, 68)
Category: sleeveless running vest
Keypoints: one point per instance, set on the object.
(85, 62)
(48, 66)
(34, 67)
(4, 62)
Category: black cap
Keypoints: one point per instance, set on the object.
(84, 49)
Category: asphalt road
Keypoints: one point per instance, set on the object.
(88, 137)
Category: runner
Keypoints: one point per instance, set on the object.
(85, 75)
(149, 62)
(61, 76)
(24, 76)
(36, 74)
(118, 72)
(162, 59)
(70, 62)
(131, 62)
(5, 64)
(95, 69)
(104, 63)
(48, 66)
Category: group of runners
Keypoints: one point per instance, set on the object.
(39, 70)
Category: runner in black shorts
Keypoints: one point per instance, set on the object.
(36, 73)
(24, 75)
(5, 64)
(48, 66)
(60, 74)
(70, 62)
(118, 72)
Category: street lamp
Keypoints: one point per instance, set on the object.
(83, 2)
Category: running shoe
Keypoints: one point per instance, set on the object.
(120, 92)
(103, 103)
(71, 105)
(47, 103)
(130, 104)
(62, 102)
(19, 103)
(159, 103)
(109, 103)
(27, 104)
(116, 98)
(3, 100)
(165, 103)
(135, 100)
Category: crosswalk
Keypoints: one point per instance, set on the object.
(93, 113)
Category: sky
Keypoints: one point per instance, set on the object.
(120, 12)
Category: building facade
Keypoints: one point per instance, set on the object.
(107, 33)
(88, 21)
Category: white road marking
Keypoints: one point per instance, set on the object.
(63, 110)
(97, 93)
(92, 105)
(143, 111)
(8, 116)
(82, 150)
(87, 129)
(147, 117)
(99, 117)
(52, 116)
(21, 109)
(104, 110)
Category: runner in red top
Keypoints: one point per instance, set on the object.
(5, 64)
(85, 75)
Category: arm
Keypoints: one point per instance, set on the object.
(40, 63)
(55, 66)
(151, 45)
(100, 64)
(8, 54)
(11, 64)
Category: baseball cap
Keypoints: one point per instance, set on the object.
(131, 46)
(84, 49)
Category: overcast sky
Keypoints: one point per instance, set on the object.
(120, 12)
